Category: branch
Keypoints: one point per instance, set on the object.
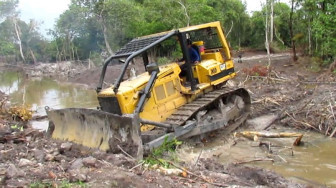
(275, 32)
(128, 155)
(229, 29)
(185, 12)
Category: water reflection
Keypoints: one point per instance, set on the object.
(41, 92)
(9, 82)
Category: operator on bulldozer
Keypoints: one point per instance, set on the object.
(137, 115)
(194, 57)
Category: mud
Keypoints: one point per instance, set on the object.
(30, 158)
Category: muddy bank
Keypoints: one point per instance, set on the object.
(29, 158)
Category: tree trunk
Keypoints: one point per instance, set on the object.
(17, 31)
(73, 52)
(267, 46)
(58, 54)
(103, 25)
(291, 31)
(108, 47)
(309, 38)
(272, 21)
(33, 56)
(278, 37)
(228, 33)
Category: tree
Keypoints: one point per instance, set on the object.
(232, 14)
(291, 30)
(8, 8)
(324, 28)
(16, 36)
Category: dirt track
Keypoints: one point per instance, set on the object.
(29, 158)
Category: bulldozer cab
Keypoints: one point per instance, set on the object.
(156, 93)
(208, 40)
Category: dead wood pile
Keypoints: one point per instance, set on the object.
(303, 104)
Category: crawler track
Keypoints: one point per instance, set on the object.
(206, 102)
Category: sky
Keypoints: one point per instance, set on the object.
(46, 12)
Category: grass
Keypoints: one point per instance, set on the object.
(62, 184)
(166, 150)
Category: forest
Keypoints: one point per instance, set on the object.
(95, 29)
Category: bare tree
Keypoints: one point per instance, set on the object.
(32, 26)
(267, 43)
(18, 36)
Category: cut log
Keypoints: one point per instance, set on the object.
(254, 134)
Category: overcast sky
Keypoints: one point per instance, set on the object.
(47, 11)
(44, 12)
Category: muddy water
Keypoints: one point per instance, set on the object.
(41, 92)
(313, 163)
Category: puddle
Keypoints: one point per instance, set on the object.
(41, 92)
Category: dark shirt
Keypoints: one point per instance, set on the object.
(194, 55)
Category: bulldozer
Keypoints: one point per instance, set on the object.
(138, 114)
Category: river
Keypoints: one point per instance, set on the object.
(313, 163)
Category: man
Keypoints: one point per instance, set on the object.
(193, 53)
(194, 58)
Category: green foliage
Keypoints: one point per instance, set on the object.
(8, 8)
(84, 30)
(62, 184)
(256, 33)
(40, 185)
(324, 27)
(277, 47)
(319, 18)
(17, 127)
(157, 155)
(163, 60)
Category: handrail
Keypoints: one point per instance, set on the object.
(129, 58)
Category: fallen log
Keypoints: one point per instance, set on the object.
(255, 134)
(251, 134)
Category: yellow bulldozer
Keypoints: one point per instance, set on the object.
(139, 113)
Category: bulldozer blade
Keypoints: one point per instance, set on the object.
(97, 129)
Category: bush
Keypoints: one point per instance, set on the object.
(22, 113)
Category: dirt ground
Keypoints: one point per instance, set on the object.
(299, 97)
